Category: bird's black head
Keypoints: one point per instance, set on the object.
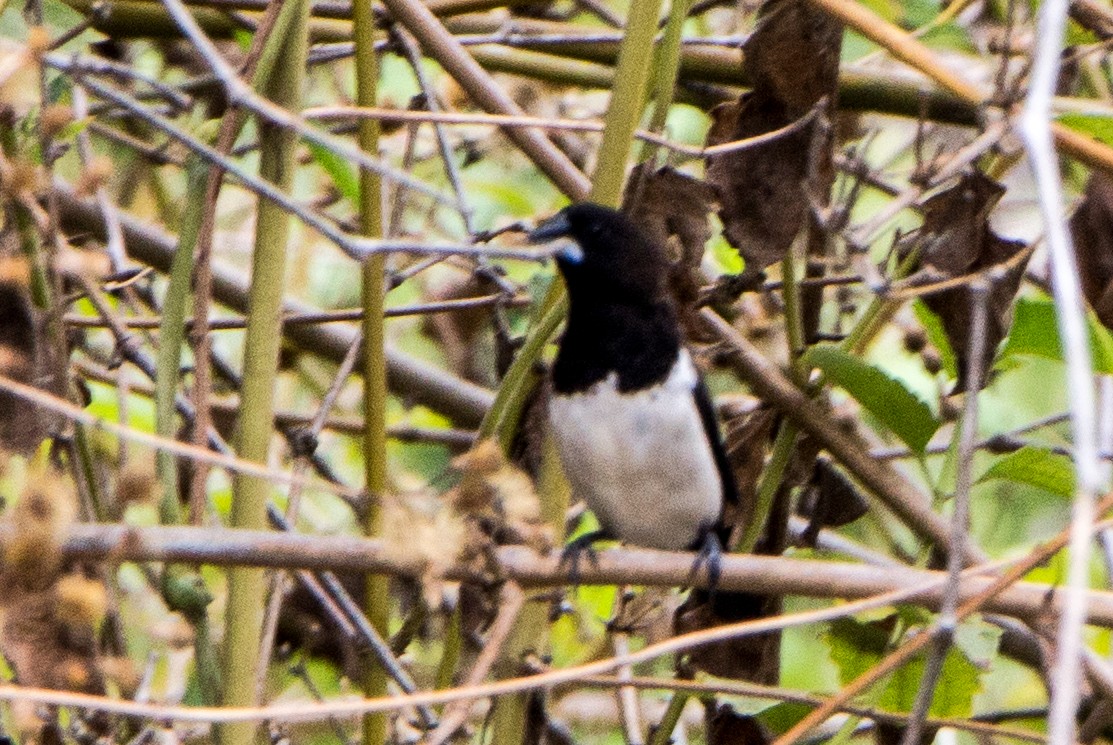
(607, 254)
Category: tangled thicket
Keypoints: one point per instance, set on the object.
(272, 358)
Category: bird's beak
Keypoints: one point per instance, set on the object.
(555, 228)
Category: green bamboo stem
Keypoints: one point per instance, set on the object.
(246, 585)
(662, 733)
(623, 116)
(666, 69)
(172, 339)
(622, 120)
(182, 588)
(377, 603)
(635, 59)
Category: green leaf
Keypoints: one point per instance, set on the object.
(1098, 126)
(343, 175)
(781, 717)
(933, 327)
(1036, 467)
(857, 646)
(900, 410)
(978, 640)
(959, 682)
(949, 36)
(1035, 331)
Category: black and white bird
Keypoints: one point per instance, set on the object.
(630, 415)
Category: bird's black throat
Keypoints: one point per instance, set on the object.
(639, 342)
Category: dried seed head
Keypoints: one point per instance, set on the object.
(95, 175)
(54, 119)
(80, 603)
(40, 520)
(135, 484)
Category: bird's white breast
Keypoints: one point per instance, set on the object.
(641, 460)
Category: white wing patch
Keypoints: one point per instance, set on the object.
(641, 460)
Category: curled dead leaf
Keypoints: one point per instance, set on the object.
(672, 208)
(1092, 230)
(792, 60)
(956, 241)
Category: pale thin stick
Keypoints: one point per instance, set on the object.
(47, 401)
(1036, 129)
(511, 602)
(306, 711)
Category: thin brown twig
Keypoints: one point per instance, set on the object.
(789, 695)
(511, 602)
(913, 645)
(346, 113)
(334, 316)
(49, 402)
(908, 289)
(462, 401)
(918, 55)
(947, 622)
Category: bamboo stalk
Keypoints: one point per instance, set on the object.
(246, 586)
(377, 602)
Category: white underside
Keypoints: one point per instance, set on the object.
(641, 461)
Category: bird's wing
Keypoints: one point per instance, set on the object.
(715, 439)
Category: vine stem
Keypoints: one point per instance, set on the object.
(246, 585)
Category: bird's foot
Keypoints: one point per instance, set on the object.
(710, 554)
(574, 551)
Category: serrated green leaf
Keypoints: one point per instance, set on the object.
(1036, 467)
(900, 410)
(959, 681)
(1035, 331)
(856, 647)
(343, 175)
(1098, 126)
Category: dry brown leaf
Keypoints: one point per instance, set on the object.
(763, 206)
(792, 61)
(746, 441)
(831, 500)
(21, 425)
(1092, 231)
(955, 241)
(672, 208)
(793, 55)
